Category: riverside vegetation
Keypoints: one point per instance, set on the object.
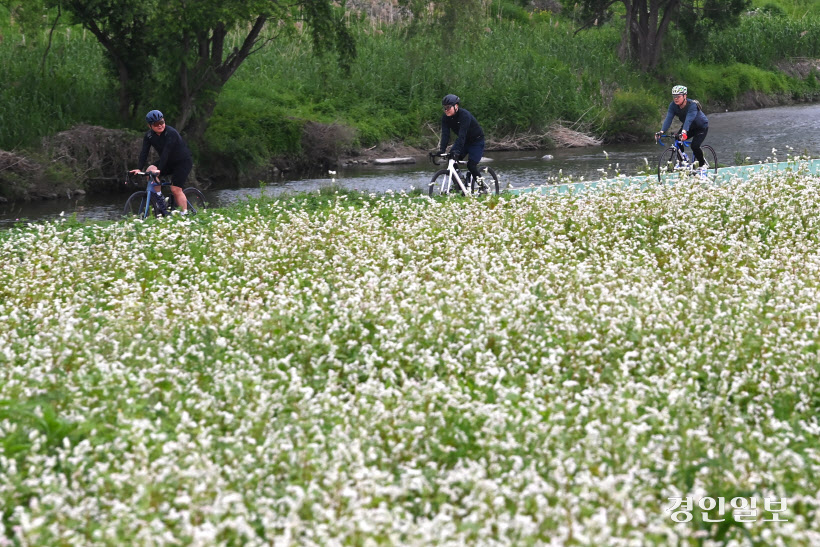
(520, 72)
(384, 369)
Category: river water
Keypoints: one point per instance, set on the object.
(755, 134)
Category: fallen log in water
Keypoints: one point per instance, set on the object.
(392, 161)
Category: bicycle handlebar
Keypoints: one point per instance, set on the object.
(435, 156)
(151, 177)
(447, 156)
(659, 140)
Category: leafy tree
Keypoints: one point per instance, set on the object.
(646, 22)
(28, 16)
(699, 19)
(203, 61)
(190, 48)
(120, 27)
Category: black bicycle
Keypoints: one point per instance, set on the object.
(676, 158)
(450, 180)
(140, 205)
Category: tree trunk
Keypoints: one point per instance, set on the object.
(200, 86)
(126, 100)
(123, 74)
(643, 35)
(196, 125)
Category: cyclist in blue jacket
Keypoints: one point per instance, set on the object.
(695, 122)
(470, 139)
(175, 159)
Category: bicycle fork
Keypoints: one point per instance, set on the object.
(456, 180)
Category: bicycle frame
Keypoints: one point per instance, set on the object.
(195, 199)
(676, 157)
(680, 147)
(153, 180)
(452, 174)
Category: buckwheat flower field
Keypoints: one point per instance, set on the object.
(384, 370)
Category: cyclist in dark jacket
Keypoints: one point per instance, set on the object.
(695, 122)
(470, 139)
(175, 158)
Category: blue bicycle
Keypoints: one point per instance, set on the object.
(139, 205)
(676, 158)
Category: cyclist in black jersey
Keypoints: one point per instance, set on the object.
(175, 158)
(470, 139)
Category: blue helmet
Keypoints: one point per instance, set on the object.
(154, 116)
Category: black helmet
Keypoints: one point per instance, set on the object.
(153, 117)
(450, 100)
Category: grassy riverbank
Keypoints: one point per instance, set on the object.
(400, 370)
(519, 73)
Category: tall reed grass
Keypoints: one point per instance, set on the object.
(42, 97)
(762, 40)
(796, 9)
(513, 77)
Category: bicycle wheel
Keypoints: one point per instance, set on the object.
(196, 200)
(135, 205)
(441, 184)
(711, 159)
(667, 161)
(490, 184)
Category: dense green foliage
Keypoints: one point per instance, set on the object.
(762, 40)
(248, 127)
(517, 72)
(39, 97)
(715, 83)
(399, 79)
(796, 9)
(631, 111)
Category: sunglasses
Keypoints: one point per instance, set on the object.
(157, 124)
(446, 108)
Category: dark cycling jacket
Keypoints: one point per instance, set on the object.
(465, 126)
(168, 144)
(692, 117)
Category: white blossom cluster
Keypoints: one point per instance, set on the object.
(395, 370)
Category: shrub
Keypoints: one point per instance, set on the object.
(324, 143)
(246, 132)
(724, 84)
(16, 174)
(630, 114)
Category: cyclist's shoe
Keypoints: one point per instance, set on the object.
(480, 185)
(703, 173)
(158, 201)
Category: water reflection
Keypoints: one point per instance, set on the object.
(734, 135)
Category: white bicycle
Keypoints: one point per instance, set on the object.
(451, 181)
